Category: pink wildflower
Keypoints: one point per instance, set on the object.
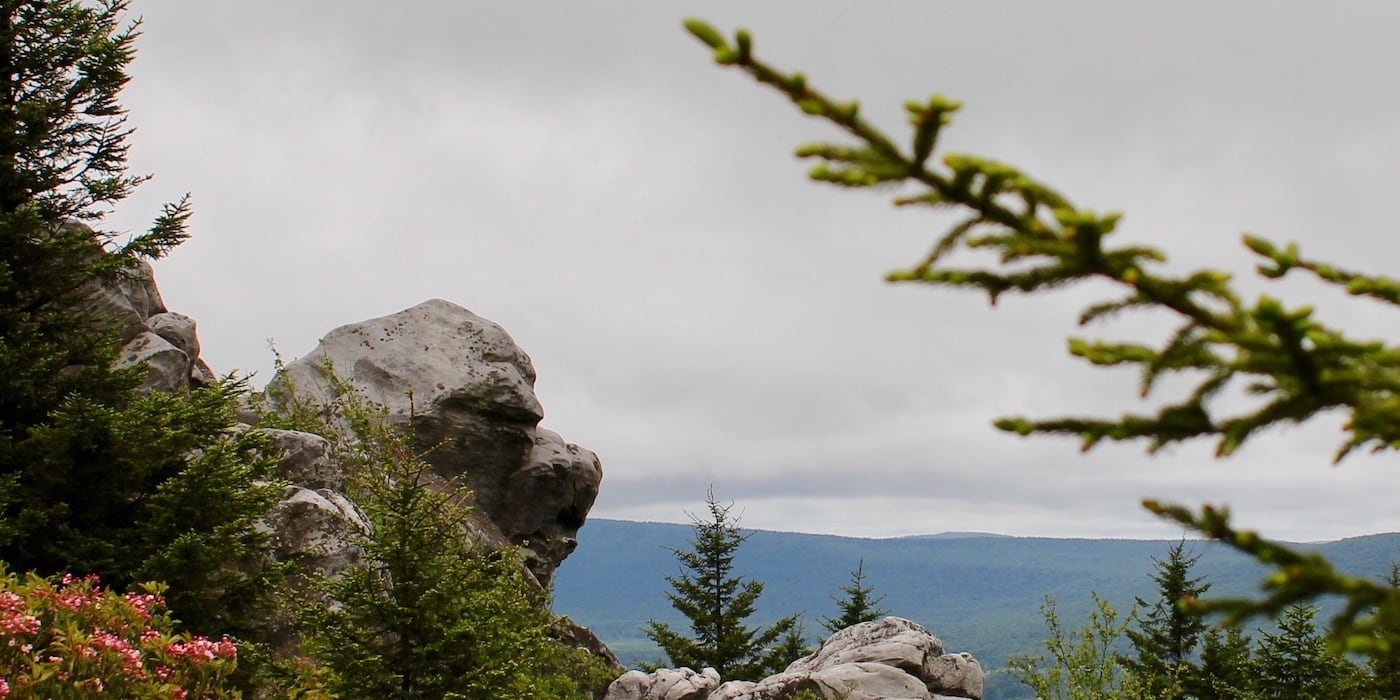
(71, 601)
(70, 579)
(131, 656)
(19, 624)
(143, 602)
(4, 688)
(200, 649)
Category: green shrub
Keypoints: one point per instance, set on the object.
(74, 639)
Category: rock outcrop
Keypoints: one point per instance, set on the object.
(466, 391)
(889, 658)
(457, 380)
(314, 524)
(164, 342)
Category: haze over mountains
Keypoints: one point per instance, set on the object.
(979, 592)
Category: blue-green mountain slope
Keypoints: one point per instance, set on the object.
(979, 593)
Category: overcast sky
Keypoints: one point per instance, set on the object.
(699, 313)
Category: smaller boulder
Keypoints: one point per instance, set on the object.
(306, 460)
(958, 675)
(168, 368)
(176, 329)
(319, 530)
(665, 684)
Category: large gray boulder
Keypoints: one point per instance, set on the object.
(466, 391)
(892, 658)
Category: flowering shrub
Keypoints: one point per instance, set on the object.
(74, 639)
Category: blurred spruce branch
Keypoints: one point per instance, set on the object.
(1293, 364)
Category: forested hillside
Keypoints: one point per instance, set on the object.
(979, 593)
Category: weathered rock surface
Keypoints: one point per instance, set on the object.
(314, 524)
(889, 658)
(854, 681)
(665, 684)
(164, 342)
(467, 392)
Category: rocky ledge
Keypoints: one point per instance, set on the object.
(893, 658)
(465, 390)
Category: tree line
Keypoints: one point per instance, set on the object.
(1163, 650)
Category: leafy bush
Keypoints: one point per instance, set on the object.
(75, 639)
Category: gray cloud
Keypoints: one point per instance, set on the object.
(585, 176)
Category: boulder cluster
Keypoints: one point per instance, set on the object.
(165, 342)
(458, 380)
(891, 658)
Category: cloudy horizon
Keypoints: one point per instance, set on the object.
(698, 312)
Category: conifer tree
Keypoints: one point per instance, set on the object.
(430, 615)
(858, 605)
(1385, 670)
(95, 478)
(1295, 663)
(1296, 365)
(717, 602)
(792, 645)
(1167, 637)
(1226, 667)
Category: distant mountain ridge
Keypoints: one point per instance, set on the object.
(951, 535)
(979, 592)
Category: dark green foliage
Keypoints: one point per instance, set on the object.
(793, 644)
(433, 616)
(62, 131)
(1167, 637)
(1385, 670)
(716, 601)
(1295, 663)
(1292, 364)
(96, 478)
(158, 490)
(858, 606)
(1226, 671)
